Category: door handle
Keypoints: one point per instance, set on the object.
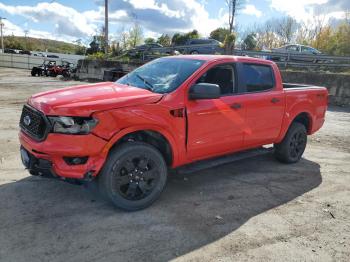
(275, 100)
(236, 106)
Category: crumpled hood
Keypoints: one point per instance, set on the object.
(83, 100)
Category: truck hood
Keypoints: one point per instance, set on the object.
(83, 100)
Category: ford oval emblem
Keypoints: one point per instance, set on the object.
(27, 120)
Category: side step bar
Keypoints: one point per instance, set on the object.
(209, 163)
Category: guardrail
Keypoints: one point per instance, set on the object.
(281, 58)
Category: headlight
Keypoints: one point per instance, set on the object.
(72, 125)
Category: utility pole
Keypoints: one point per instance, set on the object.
(25, 38)
(2, 36)
(106, 27)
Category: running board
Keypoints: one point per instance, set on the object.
(209, 163)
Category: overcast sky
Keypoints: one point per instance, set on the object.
(70, 20)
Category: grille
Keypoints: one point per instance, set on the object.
(33, 123)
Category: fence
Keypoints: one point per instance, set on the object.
(28, 61)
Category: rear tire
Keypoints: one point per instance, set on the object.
(133, 176)
(293, 145)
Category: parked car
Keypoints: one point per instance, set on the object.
(168, 113)
(295, 51)
(42, 70)
(144, 48)
(39, 54)
(24, 52)
(10, 51)
(52, 56)
(202, 46)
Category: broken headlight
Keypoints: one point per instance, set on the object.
(72, 125)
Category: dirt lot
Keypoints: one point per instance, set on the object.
(255, 209)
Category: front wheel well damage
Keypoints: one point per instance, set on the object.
(153, 138)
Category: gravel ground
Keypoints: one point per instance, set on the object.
(256, 209)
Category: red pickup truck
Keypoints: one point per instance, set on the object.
(165, 114)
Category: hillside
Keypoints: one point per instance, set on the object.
(37, 44)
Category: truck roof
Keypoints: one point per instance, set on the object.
(209, 58)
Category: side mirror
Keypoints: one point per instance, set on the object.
(204, 91)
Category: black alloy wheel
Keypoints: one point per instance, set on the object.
(133, 176)
(293, 144)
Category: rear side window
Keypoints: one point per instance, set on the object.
(258, 77)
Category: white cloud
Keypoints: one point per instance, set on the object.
(68, 21)
(251, 10)
(155, 16)
(13, 29)
(164, 16)
(305, 10)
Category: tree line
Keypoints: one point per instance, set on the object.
(318, 32)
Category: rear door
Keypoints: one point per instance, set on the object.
(215, 126)
(264, 104)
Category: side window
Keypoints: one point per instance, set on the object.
(258, 77)
(223, 76)
(196, 42)
(292, 48)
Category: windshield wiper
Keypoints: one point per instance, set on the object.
(150, 86)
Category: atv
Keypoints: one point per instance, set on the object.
(43, 69)
(66, 69)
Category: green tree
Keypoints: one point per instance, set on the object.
(219, 34)
(150, 40)
(135, 35)
(115, 48)
(164, 40)
(229, 43)
(342, 39)
(95, 45)
(333, 41)
(14, 42)
(180, 39)
(250, 42)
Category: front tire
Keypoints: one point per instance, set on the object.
(293, 145)
(133, 176)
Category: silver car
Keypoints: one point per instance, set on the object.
(295, 52)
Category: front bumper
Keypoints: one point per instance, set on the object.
(56, 146)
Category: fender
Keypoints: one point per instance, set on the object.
(292, 112)
(155, 128)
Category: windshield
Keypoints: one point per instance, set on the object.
(162, 75)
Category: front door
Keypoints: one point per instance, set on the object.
(216, 126)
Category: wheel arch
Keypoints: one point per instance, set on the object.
(156, 137)
(305, 118)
